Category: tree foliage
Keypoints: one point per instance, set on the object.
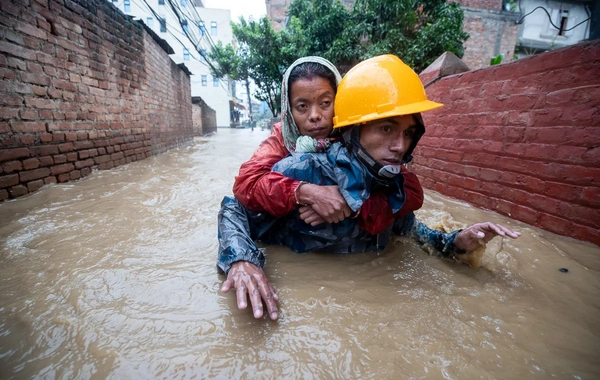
(417, 31)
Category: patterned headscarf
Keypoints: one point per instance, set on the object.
(291, 135)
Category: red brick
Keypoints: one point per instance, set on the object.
(42, 80)
(63, 177)
(27, 126)
(8, 113)
(31, 163)
(44, 150)
(85, 172)
(18, 191)
(66, 147)
(586, 233)
(71, 157)
(33, 174)
(12, 154)
(28, 114)
(8, 180)
(40, 90)
(12, 166)
(11, 100)
(60, 169)
(49, 180)
(60, 159)
(46, 161)
(64, 85)
(3, 194)
(45, 137)
(589, 196)
(83, 164)
(17, 51)
(75, 174)
(35, 185)
(555, 224)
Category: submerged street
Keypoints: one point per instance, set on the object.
(114, 276)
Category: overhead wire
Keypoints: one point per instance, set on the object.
(520, 20)
(176, 9)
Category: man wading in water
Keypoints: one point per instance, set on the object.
(378, 122)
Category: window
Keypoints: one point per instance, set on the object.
(184, 25)
(204, 81)
(202, 28)
(127, 6)
(163, 25)
(183, 2)
(149, 21)
(186, 54)
(215, 82)
(161, 2)
(203, 53)
(213, 28)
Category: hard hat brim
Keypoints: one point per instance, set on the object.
(409, 109)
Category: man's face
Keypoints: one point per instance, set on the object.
(311, 101)
(387, 140)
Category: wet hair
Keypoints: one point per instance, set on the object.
(309, 71)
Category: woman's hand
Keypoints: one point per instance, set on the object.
(309, 216)
(251, 281)
(326, 201)
(480, 234)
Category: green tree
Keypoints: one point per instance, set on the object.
(418, 31)
(232, 63)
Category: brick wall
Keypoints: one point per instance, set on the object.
(491, 32)
(82, 87)
(522, 139)
(204, 118)
(483, 4)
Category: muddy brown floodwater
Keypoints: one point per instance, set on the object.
(114, 277)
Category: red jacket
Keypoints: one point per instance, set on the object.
(260, 189)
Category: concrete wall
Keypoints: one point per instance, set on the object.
(82, 87)
(204, 118)
(522, 139)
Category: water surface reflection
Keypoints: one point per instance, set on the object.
(114, 276)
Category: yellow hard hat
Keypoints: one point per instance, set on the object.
(378, 88)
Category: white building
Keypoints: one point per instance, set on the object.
(571, 21)
(204, 26)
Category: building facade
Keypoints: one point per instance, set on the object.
(552, 24)
(190, 29)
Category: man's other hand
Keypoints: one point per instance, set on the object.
(480, 234)
(251, 282)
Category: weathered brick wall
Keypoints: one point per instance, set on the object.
(82, 87)
(204, 117)
(483, 4)
(491, 32)
(522, 139)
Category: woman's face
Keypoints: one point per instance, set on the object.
(311, 101)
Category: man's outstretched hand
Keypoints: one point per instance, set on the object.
(251, 281)
(480, 234)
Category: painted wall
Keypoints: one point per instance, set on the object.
(82, 87)
(522, 139)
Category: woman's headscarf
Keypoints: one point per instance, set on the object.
(291, 135)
